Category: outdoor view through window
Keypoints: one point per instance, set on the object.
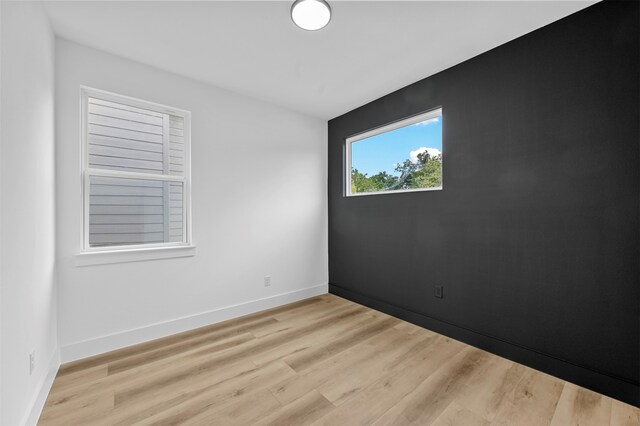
(403, 156)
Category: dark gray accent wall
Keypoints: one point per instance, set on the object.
(536, 235)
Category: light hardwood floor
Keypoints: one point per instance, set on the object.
(321, 361)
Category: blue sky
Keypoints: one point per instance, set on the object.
(381, 152)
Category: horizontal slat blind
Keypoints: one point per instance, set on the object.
(176, 146)
(124, 138)
(176, 191)
(118, 211)
(127, 210)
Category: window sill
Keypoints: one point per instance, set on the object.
(133, 255)
(396, 191)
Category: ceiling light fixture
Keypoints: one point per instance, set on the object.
(311, 15)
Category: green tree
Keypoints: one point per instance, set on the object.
(430, 173)
(360, 182)
(382, 180)
(406, 170)
(425, 173)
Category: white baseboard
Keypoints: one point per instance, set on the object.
(32, 416)
(87, 348)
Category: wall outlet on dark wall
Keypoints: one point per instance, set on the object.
(438, 291)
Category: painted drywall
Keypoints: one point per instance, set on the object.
(366, 51)
(1, 372)
(535, 235)
(27, 248)
(258, 206)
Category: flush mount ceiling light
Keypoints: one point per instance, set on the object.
(311, 14)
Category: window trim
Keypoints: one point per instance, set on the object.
(86, 172)
(404, 122)
(133, 255)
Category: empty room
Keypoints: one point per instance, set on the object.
(320, 212)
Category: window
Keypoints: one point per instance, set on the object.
(136, 185)
(400, 157)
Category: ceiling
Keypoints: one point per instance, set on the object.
(369, 48)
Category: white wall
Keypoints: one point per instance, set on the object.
(27, 221)
(1, 126)
(259, 208)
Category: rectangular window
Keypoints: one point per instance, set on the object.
(135, 173)
(400, 157)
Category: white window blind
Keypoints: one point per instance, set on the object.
(135, 172)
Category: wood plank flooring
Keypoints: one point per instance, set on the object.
(320, 361)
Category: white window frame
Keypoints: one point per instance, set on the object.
(384, 129)
(137, 251)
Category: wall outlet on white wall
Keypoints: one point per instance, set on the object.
(267, 280)
(32, 362)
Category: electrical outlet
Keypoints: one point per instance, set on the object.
(32, 362)
(438, 291)
(267, 281)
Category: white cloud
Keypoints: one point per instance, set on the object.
(429, 121)
(433, 152)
